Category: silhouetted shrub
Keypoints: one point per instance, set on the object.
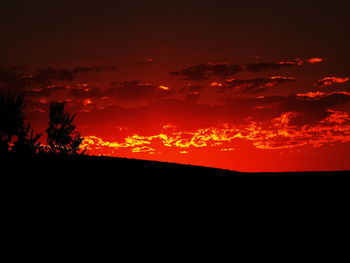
(62, 138)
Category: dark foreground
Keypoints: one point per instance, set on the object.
(105, 196)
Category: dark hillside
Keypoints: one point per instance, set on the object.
(72, 194)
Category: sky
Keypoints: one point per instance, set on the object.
(240, 85)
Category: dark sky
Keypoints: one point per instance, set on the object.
(174, 32)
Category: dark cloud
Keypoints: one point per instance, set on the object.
(207, 71)
(253, 85)
(309, 109)
(13, 79)
(87, 92)
(225, 70)
(49, 75)
(43, 92)
(258, 67)
(135, 90)
(262, 66)
(322, 102)
(96, 69)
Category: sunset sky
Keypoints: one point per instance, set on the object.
(240, 85)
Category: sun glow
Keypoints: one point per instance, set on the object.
(86, 102)
(164, 87)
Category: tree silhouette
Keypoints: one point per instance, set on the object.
(27, 143)
(62, 138)
(11, 119)
(15, 136)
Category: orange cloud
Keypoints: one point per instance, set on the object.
(321, 94)
(216, 84)
(330, 81)
(314, 60)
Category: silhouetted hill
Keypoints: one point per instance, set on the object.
(82, 195)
